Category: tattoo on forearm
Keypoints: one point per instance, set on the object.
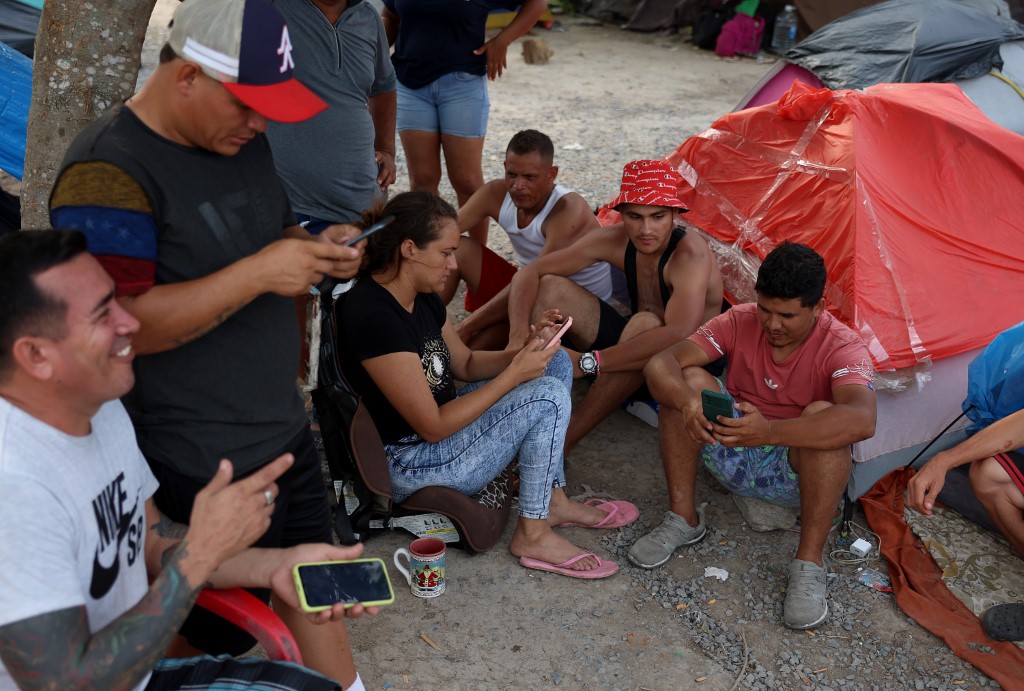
(207, 328)
(57, 651)
(166, 528)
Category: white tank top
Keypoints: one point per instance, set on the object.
(529, 241)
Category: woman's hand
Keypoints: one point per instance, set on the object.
(530, 362)
(547, 327)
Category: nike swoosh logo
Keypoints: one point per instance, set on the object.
(103, 577)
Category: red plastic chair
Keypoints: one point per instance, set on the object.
(253, 616)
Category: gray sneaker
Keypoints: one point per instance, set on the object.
(806, 603)
(655, 548)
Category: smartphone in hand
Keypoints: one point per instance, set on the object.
(715, 404)
(379, 225)
(320, 585)
(561, 332)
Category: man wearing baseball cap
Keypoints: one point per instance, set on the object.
(176, 193)
(673, 281)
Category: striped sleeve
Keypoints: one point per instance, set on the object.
(113, 211)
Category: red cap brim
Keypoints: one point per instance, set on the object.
(288, 101)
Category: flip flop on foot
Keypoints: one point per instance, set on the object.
(603, 569)
(617, 514)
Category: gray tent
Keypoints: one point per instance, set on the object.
(907, 41)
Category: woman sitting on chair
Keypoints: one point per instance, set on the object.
(400, 352)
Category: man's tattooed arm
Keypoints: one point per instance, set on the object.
(57, 651)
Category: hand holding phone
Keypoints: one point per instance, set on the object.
(715, 403)
(321, 585)
(561, 332)
(379, 225)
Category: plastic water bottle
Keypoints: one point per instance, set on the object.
(784, 36)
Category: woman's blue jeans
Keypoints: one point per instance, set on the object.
(530, 421)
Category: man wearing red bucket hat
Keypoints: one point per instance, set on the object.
(176, 193)
(674, 287)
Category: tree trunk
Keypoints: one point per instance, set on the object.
(86, 59)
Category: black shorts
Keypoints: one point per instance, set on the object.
(609, 328)
(302, 513)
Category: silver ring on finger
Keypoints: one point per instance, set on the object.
(269, 496)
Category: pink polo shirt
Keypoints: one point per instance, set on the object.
(832, 356)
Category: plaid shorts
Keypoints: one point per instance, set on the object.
(760, 472)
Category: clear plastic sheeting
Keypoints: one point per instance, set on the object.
(906, 41)
(908, 191)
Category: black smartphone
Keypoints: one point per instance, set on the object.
(379, 225)
(715, 404)
(322, 584)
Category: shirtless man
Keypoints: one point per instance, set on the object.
(674, 287)
(539, 216)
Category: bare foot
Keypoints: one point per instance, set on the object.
(540, 542)
(565, 510)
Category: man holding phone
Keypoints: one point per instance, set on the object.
(800, 381)
(94, 579)
(178, 197)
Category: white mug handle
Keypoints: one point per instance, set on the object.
(402, 551)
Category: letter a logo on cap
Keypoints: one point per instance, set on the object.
(286, 51)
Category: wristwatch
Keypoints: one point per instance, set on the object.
(590, 363)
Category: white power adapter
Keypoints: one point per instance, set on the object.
(861, 547)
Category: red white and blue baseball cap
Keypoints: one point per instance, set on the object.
(244, 44)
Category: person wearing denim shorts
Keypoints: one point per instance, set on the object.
(803, 382)
(442, 62)
(400, 351)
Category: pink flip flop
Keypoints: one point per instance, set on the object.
(603, 570)
(617, 514)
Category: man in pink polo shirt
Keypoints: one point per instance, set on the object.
(800, 385)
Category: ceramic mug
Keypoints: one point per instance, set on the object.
(426, 572)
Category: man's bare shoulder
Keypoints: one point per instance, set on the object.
(574, 207)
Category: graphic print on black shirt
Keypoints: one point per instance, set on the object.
(436, 365)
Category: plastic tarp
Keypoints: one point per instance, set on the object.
(15, 99)
(995, 380)
(908, 191)
(906, 41)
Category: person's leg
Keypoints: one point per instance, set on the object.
(325, 647)
(999, 485)
(418, 128)
(683, 524)
(822, 476)
(573, 301)
(610, 389)
(228, 673)
(463, 109)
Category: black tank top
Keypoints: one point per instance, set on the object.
(629, 264)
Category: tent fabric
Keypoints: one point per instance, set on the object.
(15, 99)
(906, 41)
(920, 592)
(908, 191)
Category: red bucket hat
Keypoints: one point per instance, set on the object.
(650, 183)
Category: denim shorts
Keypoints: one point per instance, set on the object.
(760, 472)
(529, 422)
(456, 103)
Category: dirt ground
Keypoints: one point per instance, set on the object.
(607, 97)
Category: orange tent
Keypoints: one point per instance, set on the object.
(912, 195)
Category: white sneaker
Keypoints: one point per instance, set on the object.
(643, 410)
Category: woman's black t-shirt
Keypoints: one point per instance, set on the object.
(371, 323)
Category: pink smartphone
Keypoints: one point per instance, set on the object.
(561, 332)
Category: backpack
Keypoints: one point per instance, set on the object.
(710, 21)
(740, 35)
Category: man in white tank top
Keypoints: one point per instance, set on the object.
(539, 216)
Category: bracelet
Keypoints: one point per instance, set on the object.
(597, 359)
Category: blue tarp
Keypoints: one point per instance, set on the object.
(15, 98)
(995, 380)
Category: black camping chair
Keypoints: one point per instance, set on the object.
(355, 453)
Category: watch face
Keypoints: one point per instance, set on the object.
(588, 363)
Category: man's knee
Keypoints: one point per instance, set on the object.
(552, 291)
(698, 379)
(815, 407)
(638, 323)
(989, 479)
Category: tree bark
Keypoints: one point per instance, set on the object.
(87, 58)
